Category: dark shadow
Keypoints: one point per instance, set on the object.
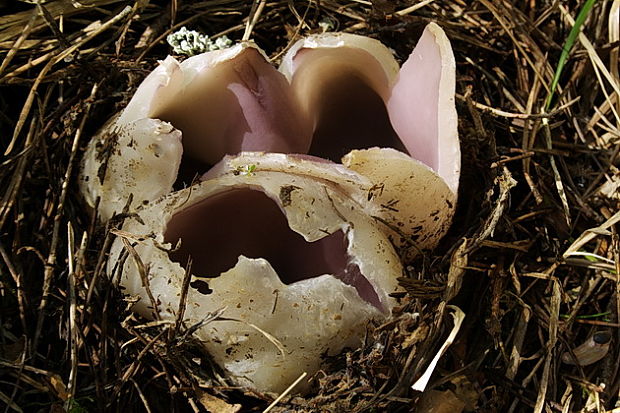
(216, 231)
(352, 116)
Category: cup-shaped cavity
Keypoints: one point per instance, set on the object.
(220, 102)
(343, 91)
(226, 102)
(351, 88)
(255, 227)
(288, 259)
(410, 203)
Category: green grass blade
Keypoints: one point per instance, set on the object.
(570, 40)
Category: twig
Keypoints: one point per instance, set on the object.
(513, 115)
(18, 43)
(143, 275)
(73, 328)
(592, 233)
(413, 8)
(554, 316)
(10, 196)
(17, 278)
(144, 400)
(505, 182)
(556, 173)
(183, 298)
(51, 259)
(255, 12)
(285, 392)
(268, 336)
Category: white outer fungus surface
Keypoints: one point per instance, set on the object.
(309, 318)
(140, 158)
(411, 204)
(186, 116)
(415, 203)
(221, 102)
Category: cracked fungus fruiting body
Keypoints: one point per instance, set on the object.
(294, 250)
(312, 270)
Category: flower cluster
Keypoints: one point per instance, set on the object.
(190, 42)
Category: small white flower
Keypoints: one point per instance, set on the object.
(190, 42)
(222, 42)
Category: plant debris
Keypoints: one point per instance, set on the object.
(532, 259)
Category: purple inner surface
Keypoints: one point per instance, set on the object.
(352, 116)
(245, 221)
(241, 104)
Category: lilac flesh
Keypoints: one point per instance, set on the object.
(267, 104)
(243, 221)
(414, 104)
(243, 104)
(343, 91)
(352, 116)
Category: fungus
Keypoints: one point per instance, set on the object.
(279, 253)
(216, 103)
(356, 97)
(397, 127)
(345, 93)
(293, 247)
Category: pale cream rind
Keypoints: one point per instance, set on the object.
(309, 318)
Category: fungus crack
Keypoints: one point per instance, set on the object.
(255, 227)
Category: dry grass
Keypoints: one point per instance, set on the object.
(533, 257)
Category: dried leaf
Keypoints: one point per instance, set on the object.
(217, 405)
(59, 386)
(437, 401)
(458, 315)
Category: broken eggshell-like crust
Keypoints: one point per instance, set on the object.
(419, 96)
(310, 318)
(412, 205)
(222, 102)
(140, 158)
(428, 131)
(415, 204)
